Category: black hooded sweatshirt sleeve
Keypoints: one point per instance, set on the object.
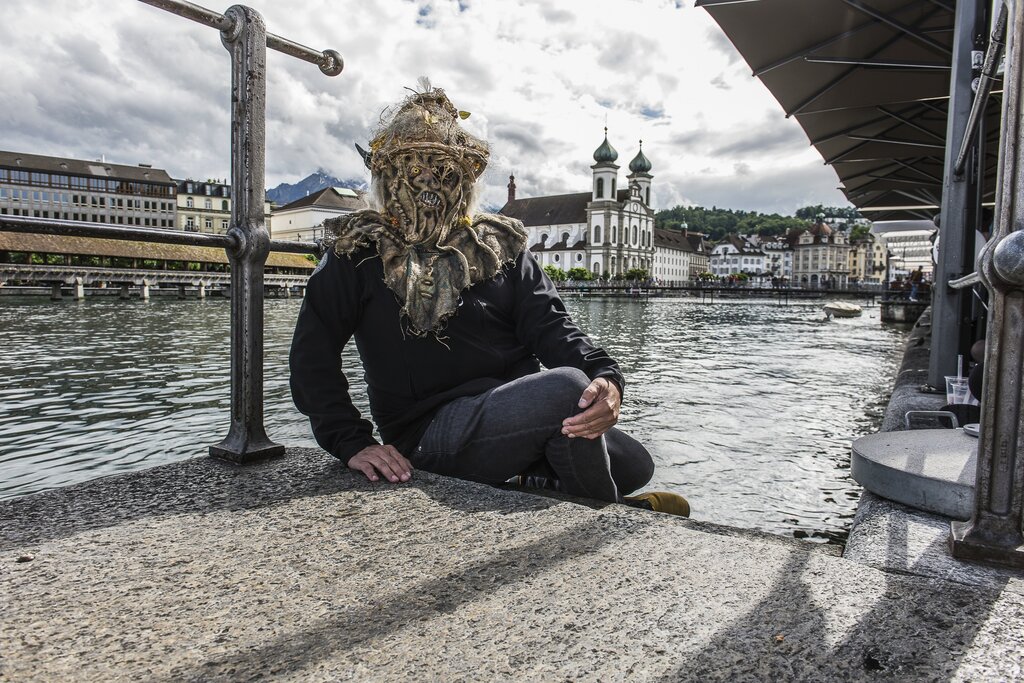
(504, 329)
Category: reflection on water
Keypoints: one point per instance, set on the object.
(748, 407)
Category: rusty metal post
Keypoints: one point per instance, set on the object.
(246, 40)
(994, 533)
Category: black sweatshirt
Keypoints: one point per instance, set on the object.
(502, 328)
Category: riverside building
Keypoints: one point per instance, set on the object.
(303, 219)
(206, 206)
(96, 191)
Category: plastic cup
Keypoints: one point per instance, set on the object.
(957, 390)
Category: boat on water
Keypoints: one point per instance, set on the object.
(842, 309)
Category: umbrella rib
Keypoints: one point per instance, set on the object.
(846, 74)
(893, 64)
(917, 170)
(814, 48)
(899, 26)
(908, 122)
(870, 171)
(897, 141)
(847, 131)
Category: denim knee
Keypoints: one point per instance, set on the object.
(566, 385)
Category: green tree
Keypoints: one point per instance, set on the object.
(578, 273)
(636, 274)
(555, 273)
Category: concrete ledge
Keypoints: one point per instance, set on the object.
(296, 569)
(896, 538)
(929, 469)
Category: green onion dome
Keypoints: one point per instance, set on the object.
(640, 163)
(605, 152)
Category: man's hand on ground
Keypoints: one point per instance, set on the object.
(601, 400)
(391, 464)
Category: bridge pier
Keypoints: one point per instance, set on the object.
(181, 291)
(286, 291)
(144, 292)
(79, 289)
(125, 294)
(55, 293)
(201, 290)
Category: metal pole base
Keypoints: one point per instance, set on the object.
(965, 544)
(231, 450)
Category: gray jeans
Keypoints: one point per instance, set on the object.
(516, 429)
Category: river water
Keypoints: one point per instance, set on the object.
(748, 407)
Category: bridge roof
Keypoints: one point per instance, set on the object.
(93, 246)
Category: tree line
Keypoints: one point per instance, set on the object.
(718, 223)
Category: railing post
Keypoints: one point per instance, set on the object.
(994, 533)
(950, 308)
(246, 40)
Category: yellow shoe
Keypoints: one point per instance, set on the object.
(660, 501)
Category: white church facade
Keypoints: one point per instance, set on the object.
(607, 230)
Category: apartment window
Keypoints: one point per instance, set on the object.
(35, 195)
(224, 225)
(190, 223)
(190, 203)
(207, 189)
(208, 223)
(208, 204)
(224, 205)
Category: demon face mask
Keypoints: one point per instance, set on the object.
(424, 169)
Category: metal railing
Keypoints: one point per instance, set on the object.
(247, 241)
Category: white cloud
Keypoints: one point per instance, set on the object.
(138, 84)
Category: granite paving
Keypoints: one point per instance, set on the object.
(298, 570)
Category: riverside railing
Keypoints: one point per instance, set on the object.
(247, 241)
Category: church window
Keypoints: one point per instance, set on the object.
(597, 234)
(600, 188)
(613, 188)
(634, 235)
(648, 199)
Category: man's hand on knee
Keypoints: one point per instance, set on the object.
(601, 400)
(391, 464)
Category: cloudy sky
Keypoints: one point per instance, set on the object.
(85, 78)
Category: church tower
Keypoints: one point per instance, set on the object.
(640, 174)
(605, 171)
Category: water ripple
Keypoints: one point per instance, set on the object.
(748, 407)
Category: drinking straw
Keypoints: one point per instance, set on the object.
(960, 367)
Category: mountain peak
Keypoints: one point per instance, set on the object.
(286, 193)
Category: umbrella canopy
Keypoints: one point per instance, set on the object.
(868, 81)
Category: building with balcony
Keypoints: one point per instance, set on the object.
(205, 206)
